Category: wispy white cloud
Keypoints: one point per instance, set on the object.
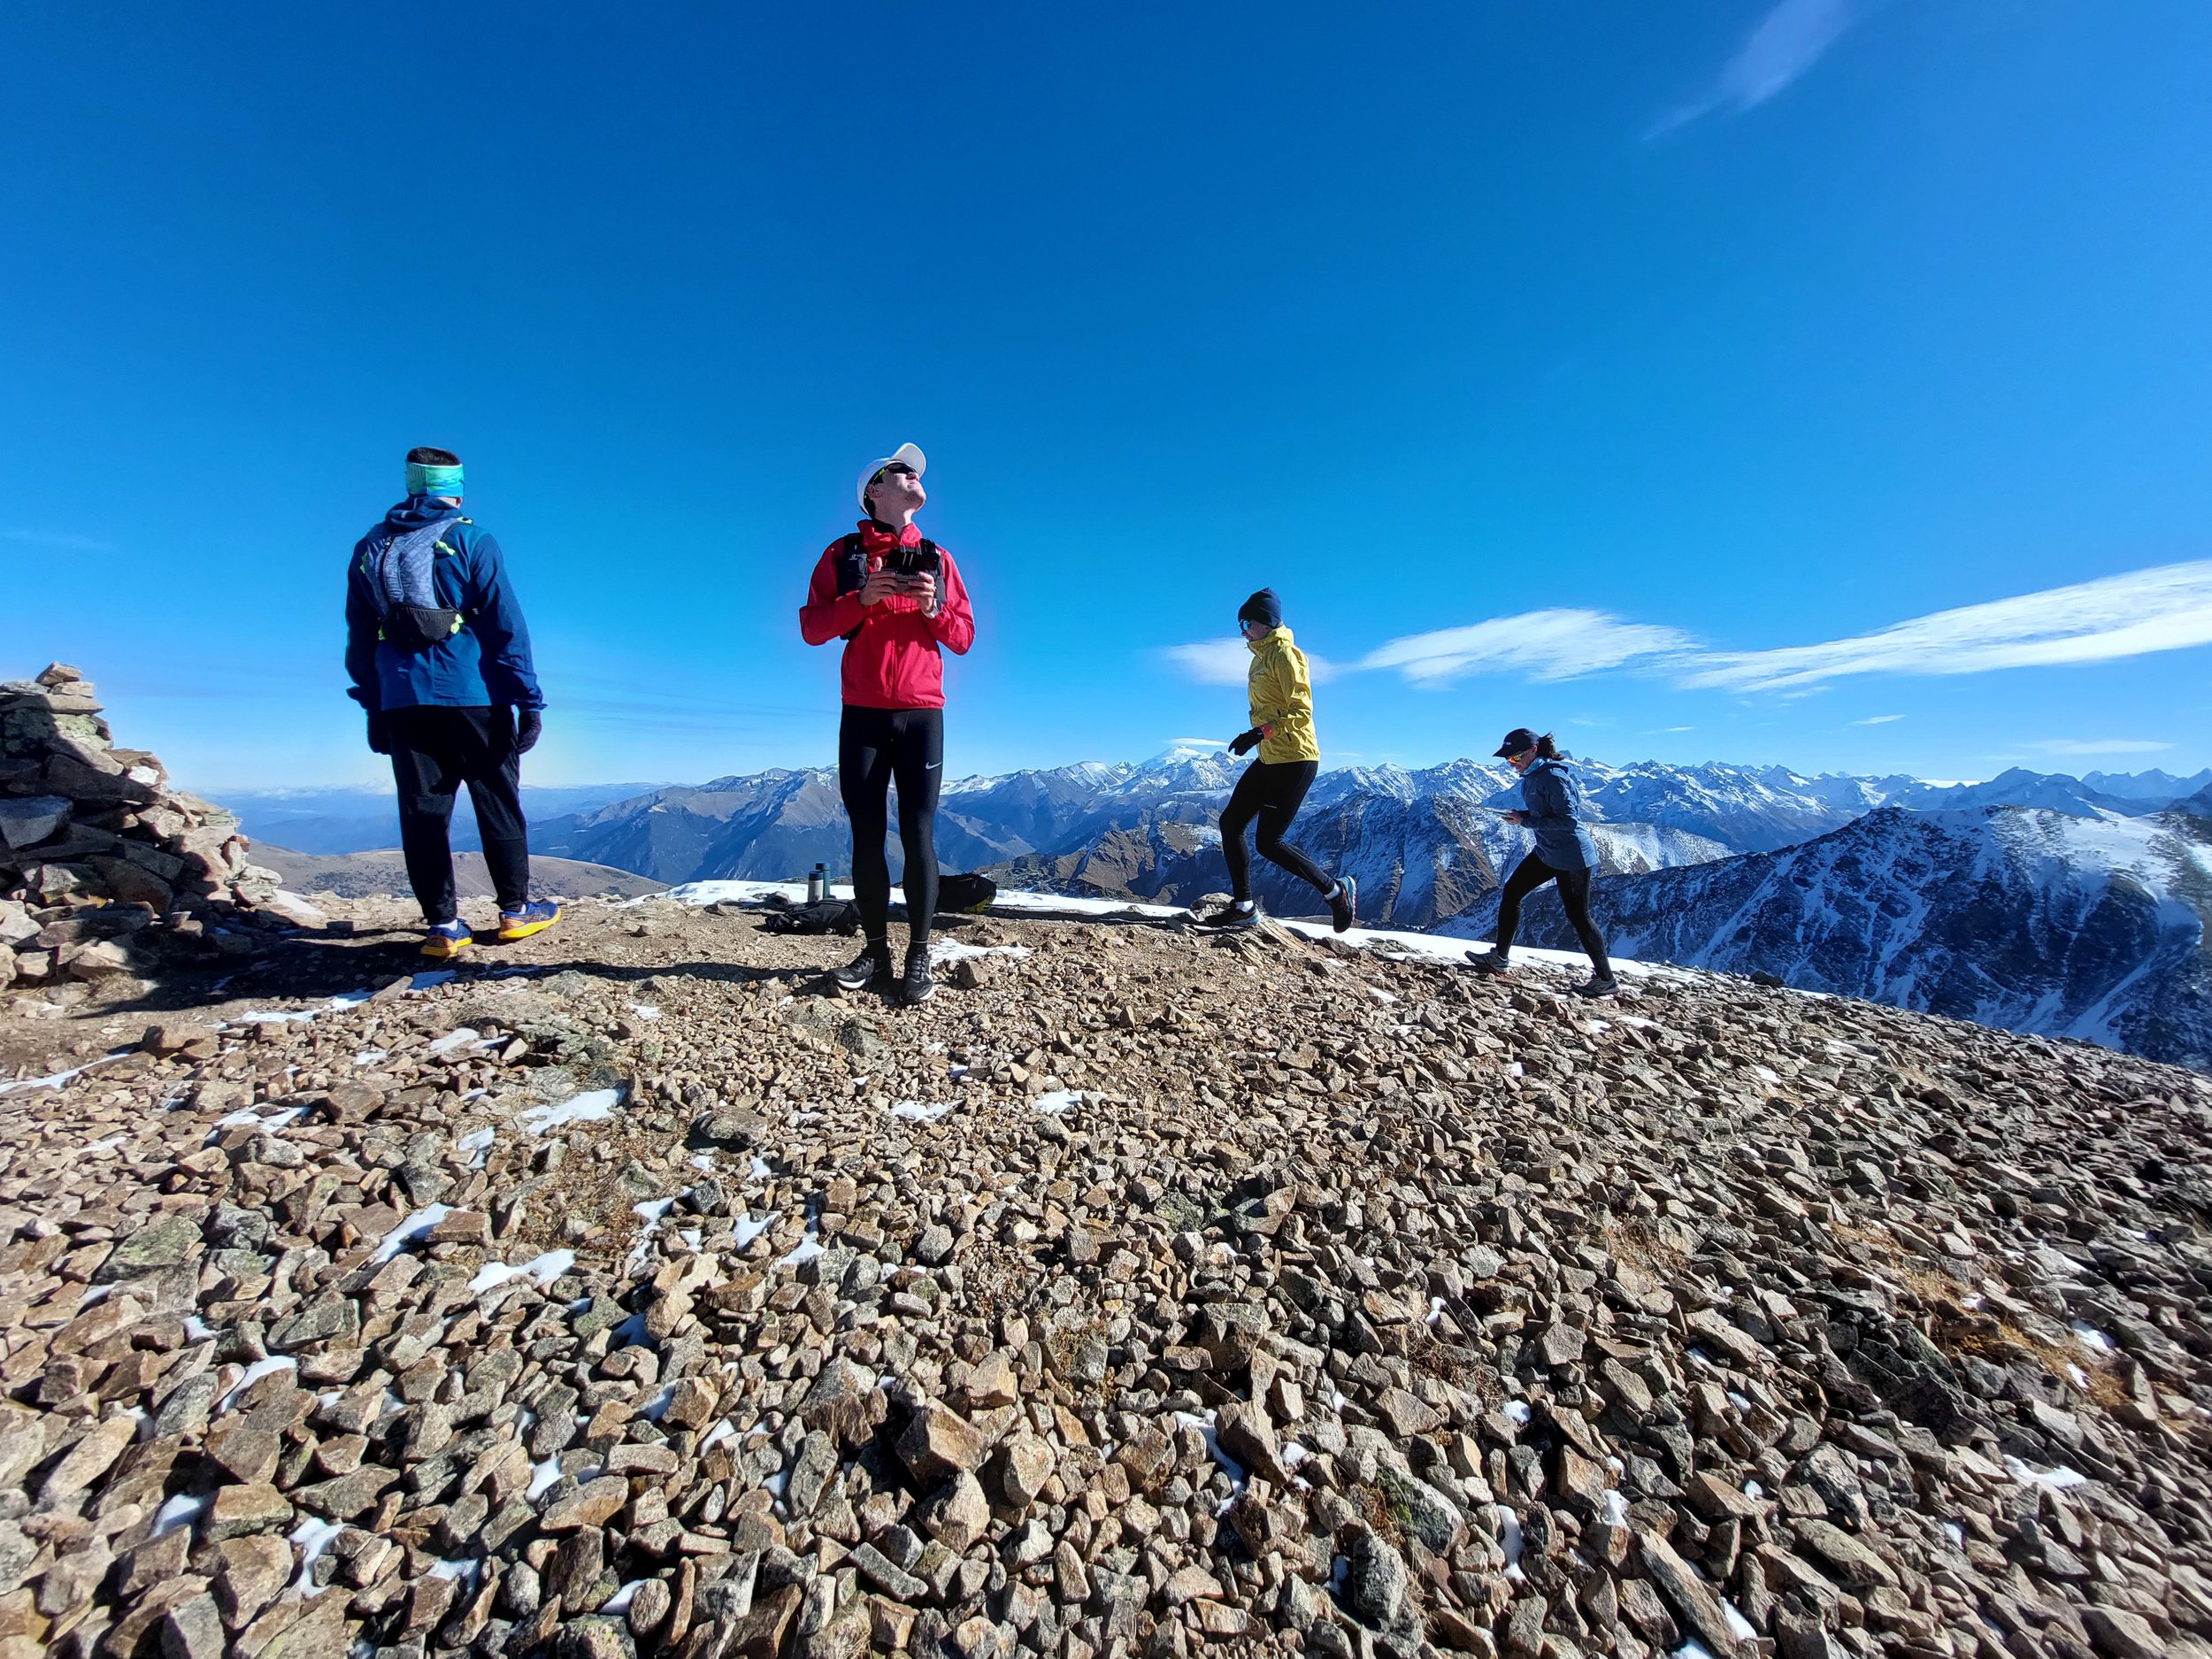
(62, 541)
(2164, 609)
(1543, 644)
(1789, 40)
(1877, 720)
(1229, 662)
(1198, 743)
(2098, 746)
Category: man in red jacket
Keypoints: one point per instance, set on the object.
(895, 598)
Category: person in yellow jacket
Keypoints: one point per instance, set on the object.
(1274, 785)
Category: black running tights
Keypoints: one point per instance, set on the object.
(1270, 795)
(875, 747)
(1574, 897)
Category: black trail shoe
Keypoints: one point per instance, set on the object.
(872, 966)
(920, 984)
(1493, 962)
(1598, 985)
(1344, 907)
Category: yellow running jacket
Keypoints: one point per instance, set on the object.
(1281, 697)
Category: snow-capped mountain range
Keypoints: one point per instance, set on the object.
(2072, 923)
(2071, 906)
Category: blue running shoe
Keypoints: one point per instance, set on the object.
(447, 940)
(531, 919)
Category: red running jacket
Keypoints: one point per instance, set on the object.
(893, 661)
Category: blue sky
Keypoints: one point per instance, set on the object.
(1819, 382)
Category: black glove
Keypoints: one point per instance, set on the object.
(1245, 741)
(529, 726)
(382, 740)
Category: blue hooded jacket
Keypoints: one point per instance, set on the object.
(487, 663)
(1552, 798)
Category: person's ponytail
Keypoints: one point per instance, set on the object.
(1546, 750)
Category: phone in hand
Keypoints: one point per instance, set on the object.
(912, 561)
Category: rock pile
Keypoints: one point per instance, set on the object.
(103, 869)
(1146, 1293)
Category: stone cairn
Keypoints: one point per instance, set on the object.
(103, 869)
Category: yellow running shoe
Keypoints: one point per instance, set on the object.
(531, 919)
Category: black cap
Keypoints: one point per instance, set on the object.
(1519, 741)
(1264, 607)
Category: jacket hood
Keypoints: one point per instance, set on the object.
(1280, 636)
(882, 538)
(418, 512)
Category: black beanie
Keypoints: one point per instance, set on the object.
(1262, 606)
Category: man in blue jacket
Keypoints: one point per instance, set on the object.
(440, 656)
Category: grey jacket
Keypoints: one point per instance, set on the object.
(1552, 798)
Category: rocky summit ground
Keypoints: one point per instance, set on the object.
(1147, 1292)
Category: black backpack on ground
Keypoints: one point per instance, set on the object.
(965, 895)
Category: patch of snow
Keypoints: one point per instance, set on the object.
(313, 1537)
(2056, 1480)
(254, 1372)
(369, 1056)
(2091, 1338)
(542, 1476)
(1058, 1100)
(944, 950)
(543, 1270)
(1204, 1424)
(431, 978)
(479, 1141)
(760, 1170)
(645, 1010)
(745, 1230)
(58, 1078)
(720, 1432)
(1516, 1410)
(921, 1112)
(1510, 1539)
(453, 1041)
(407, 1231)
(599, 1103)
(350, 999)
(182, 1510)
(619, 1601)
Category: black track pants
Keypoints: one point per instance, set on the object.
(1574, 896)
(875, 747)
(1270, 794)
(440, 749)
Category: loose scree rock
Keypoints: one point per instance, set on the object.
(1147, 1292)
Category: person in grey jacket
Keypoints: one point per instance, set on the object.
(1553, 807)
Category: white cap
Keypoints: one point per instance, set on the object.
(905, 454)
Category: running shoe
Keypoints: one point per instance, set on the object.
(447, 940)
(1493, 962)
(1344, 907)
(1598, 985)
(1240, 920)
(919, 984)
(872, 966)
(531, 919)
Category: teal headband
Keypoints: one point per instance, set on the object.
(423, 479)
